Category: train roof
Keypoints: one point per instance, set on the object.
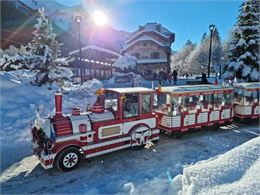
(192, 88)
(130, 90)
(248, 85)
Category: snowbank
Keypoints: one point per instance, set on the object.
(19, 101)
(235, 172)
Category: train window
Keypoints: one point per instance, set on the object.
(130, 105)
(218, 100)
(176, 105)
(163, 103)
(228, 99)
(155, 100)
(238, 96)
(111, 101)
(193, 100)
(146, 103)
(206, 102)
(248, 97)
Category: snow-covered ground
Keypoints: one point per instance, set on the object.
(147, 171)
(164, 168)
(20, 100)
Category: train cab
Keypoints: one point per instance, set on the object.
(246, 100)
(180, 108)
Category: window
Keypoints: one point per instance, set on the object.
(137, 55)
(176, 105)
(164, 103)
(155, 55)
(248, 97)
(218, 100)
(238, 96)
(206, 102)
(146, 103)
(192, 103)
(111, 101)
(228, 99)
(130, 105)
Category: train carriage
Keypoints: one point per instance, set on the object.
(180, 108)
(120, 118)
(246, 100)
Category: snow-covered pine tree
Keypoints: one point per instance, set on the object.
(244, 60)
(45, 50)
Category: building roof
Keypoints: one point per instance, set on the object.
(145, 38)
(95, 48)
(192, 88)
(130, 90)
(151, 27)
(247, 85)
(149, 61)
(141, 35)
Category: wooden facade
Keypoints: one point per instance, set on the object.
(151, 45)
(96, 62)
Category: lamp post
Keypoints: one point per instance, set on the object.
(78, 20)
(220, 67)
(211, 28)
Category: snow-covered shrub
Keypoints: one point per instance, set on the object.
(126, 63)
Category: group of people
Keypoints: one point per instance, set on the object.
(162, 77)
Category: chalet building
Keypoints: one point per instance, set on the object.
(151, 45)
(96, 62)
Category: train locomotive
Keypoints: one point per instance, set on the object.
(133, 117)
(120, 118)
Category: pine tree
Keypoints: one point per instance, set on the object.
(45, 51)
(244, 47)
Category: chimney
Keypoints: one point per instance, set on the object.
(58, 104)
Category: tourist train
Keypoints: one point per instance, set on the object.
(133, 117)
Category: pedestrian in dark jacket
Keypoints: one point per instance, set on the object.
(204, 78)
(175, 75)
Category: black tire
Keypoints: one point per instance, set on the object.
(139, 147)
(177, 135)
(68, 159)
(215, 127)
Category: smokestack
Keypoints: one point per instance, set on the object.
(58, 104)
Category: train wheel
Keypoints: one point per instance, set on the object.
(140, 136)
(68, 159)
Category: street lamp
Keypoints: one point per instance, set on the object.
(220, 67)
(78, 20)
(211, 28)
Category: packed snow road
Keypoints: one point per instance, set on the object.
(147, 171)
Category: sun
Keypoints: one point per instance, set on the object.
(100, 18)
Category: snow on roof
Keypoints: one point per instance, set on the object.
(248, 85)
(151, 27)
(144, 61)
(95, 48)
(192, 88)
(131, 90)
(145, 38)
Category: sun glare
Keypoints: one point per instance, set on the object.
(99, 17)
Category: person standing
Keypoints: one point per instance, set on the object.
(175, 75)
(204, 78)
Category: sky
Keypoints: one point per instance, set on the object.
(187, 19)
